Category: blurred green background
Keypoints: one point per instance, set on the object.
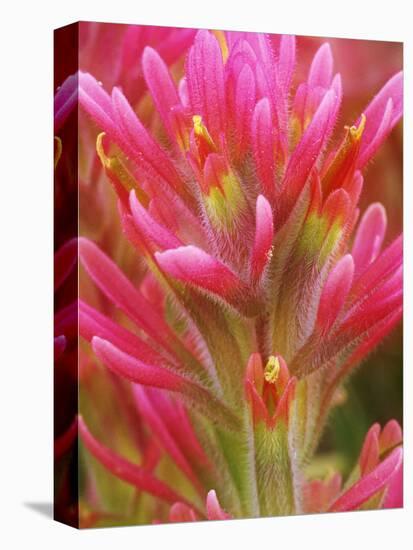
(374, 393)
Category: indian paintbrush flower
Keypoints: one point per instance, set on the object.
(263, 287)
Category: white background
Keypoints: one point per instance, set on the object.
(26, 270)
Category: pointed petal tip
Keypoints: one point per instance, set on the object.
(335, 292)
(148, 54)
(390, 436)
(264, 234)
(369, 485)
(125, 470)
(382, 114)
(214, 510)
(193, 265)
(369, 236)
(322, 67)
(181, 513)
(135, 370)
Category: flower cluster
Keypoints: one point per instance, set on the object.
(260, 288)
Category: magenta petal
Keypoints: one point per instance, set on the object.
(264, 234)
(370, 484)
(147, 152)
(93, 323)
(123, 469)
(244, 106)
(161, 86)
(241, 55)
(299, 102)
(139, 372)
(383, 267)
(113, 283)
(375, 111)
(369, 237)
(268, 83)
(214, 510)
(391, 435)
(176, 419)
(375, 336)
(387, 291)
(263, 145)
(310, 146)
(153, 230)
(321, 70)
(183, 92)
(190, 264)
(370, 453)
(375, 308)
(286, 61)
(367, 151)
(179, 424)
(174, 44)
(233, 38)
(149, 411)
(394, 496)
(135, 370)
(180, 513)
(96, 101)
(337, 88)
(335, 292)
(205, 79)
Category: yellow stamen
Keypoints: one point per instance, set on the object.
(203, 141)
(272, 370)
(116, 166)
(343, 165)
(220, 36)
(100, 151)
(201, 130)
(357, 131)
(57, 150)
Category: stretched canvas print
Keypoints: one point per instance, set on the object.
(228, 275)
